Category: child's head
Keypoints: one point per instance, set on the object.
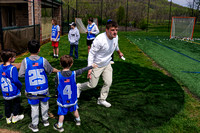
(33, 46)
(66, 61)
(8, 55)
(54, 21)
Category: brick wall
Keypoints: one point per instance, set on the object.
(21, 15)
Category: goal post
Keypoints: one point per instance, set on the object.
(80, 25)
(182, 27)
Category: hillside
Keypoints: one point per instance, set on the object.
(137, 10)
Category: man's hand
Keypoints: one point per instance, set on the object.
(94, 65)
(120, 53)
(89, 74)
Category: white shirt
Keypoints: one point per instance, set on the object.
(102, 50)
(94, 30)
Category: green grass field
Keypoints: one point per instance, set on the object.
(143, 98)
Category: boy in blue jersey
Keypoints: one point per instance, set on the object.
(55, 37)
(66, 89)
(10, 87)
(34, 69)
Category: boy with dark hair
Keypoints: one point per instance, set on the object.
(10, 87)
(34, 69)
(66, 89)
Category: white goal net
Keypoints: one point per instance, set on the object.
(182, 27)
(95, 21)
(80, 25)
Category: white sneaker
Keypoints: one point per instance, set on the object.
(112, 62)
(8, 120)
(45, 123)
(78, 90)
(104, 103)
(17, 118)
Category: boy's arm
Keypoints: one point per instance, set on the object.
(15, 78)
(48, 68)
(80, 71)
(55, 70)
(22, 69)
(58, 28)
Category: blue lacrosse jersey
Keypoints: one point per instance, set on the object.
(8, 87)
(55, 32)
(35, 77)
(89, 35)
(67, 90)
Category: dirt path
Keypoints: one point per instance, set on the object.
(7, 131)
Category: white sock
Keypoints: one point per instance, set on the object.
(60, 124)
(54, 54)
(57, 55)
(78, 119)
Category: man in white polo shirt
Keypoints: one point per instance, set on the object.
(100, 53)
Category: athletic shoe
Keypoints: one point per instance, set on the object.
(104, 103)
(78, 122)
(9, 120)
(45, 123)
(17, 118)
(61, 129)
(112, 62)
(33, 128)
(78, 90)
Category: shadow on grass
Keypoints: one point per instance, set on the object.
(141, 99)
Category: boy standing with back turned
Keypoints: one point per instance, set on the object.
(66, 89)
(10, 87)
(34, 69)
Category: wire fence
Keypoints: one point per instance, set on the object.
(16, 38)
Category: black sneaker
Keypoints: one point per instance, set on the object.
(45, 123)
(55, 126)
(33, 128)
(78, 123)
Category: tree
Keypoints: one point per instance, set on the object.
(120, 14)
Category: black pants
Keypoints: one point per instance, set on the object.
(112, 57)
(12, 106)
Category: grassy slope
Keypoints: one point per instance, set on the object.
(143, 98)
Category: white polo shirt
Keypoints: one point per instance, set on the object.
(102, 50)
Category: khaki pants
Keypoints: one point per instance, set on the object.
(106, 73)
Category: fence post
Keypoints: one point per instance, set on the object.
(126, 14)
(1, 31)
(170, 6)
(148, 16)
(68, 16)
(34, 17)
(62, 16)
(101, 14)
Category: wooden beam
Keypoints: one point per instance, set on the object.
(12, 1)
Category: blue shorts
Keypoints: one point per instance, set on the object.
(37, 101)
(63, 111)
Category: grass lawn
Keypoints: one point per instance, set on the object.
(143, 98)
